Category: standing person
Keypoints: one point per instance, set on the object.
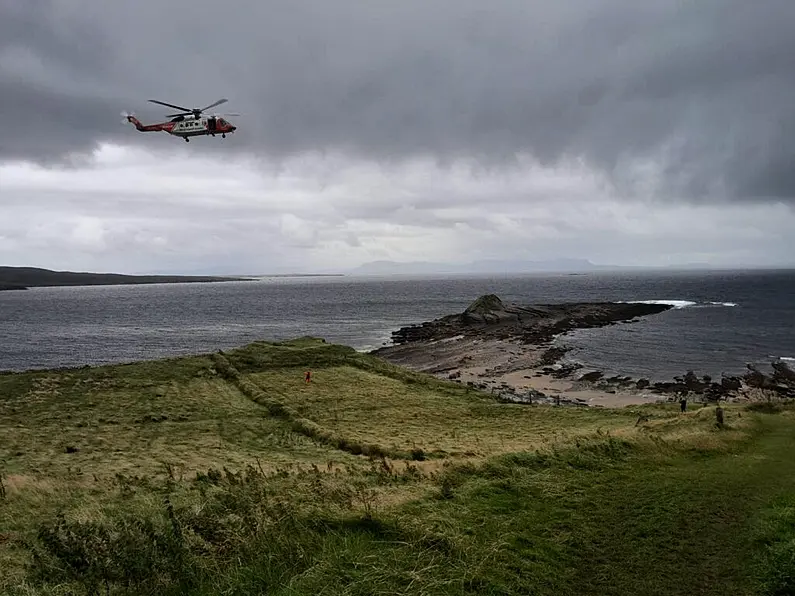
(308, 377)
(683, 403)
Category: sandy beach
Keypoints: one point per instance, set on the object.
(508, 350)
(513, 370)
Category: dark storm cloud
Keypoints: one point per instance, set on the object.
(52, 68)
(705, 88)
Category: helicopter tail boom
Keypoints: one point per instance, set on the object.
(144, 127)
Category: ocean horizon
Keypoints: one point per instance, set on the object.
(721, 320)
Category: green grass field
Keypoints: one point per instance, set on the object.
(226, 473)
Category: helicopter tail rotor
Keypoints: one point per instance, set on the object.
(128, 117)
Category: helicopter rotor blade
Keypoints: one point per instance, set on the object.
(180, 114)
(171, 105)
(212, 105)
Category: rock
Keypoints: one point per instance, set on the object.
(642, 383)
(552, 355)
(490, 327)
(564, 371)
(486, 309)
(731, 383)
(591, 377)
(692, 382)
(715, 392)
(754, 377)
(661, 387)
(783, 374)
(489, 317)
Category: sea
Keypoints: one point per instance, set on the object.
(721, 320)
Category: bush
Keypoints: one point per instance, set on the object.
(141, 554)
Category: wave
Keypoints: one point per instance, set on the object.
(679, 304)
(674, 303)
(787, 358)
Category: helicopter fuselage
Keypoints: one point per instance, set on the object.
(187, 127)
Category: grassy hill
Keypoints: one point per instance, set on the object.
(226, 473)
(20, 278)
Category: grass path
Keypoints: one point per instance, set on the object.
(683, 525)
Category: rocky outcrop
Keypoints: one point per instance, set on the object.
(781, 382)
(492, 338)
(486, 310)
(782, 373)
(489, 317)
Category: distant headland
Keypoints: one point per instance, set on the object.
(23, 278)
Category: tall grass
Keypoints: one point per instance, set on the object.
(227, 474)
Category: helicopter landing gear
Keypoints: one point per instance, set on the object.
(223, 136)
(187, 140)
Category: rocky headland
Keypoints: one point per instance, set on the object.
(508, 349)
(22, 278)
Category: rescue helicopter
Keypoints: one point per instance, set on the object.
(181, 125)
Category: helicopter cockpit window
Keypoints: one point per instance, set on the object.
(222, 122)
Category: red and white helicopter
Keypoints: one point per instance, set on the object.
(180, 126)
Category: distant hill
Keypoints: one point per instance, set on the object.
(496, 266)
(20, 278)
(476, 267)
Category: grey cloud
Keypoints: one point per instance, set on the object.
(608, 80)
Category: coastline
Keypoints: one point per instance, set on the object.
(4, 287)
(509, 351)
(25, 278)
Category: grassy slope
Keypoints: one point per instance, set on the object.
(29, 277)
(516, 500)
(369, 407)
(134, 418)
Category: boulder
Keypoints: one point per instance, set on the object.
(755, 378)
(731, 383)
(782, 373)
(486, 310)
(692, 382)
(591, 377)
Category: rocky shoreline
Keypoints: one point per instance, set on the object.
(10, 287)
(507, 349)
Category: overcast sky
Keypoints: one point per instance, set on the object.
(624, 132)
